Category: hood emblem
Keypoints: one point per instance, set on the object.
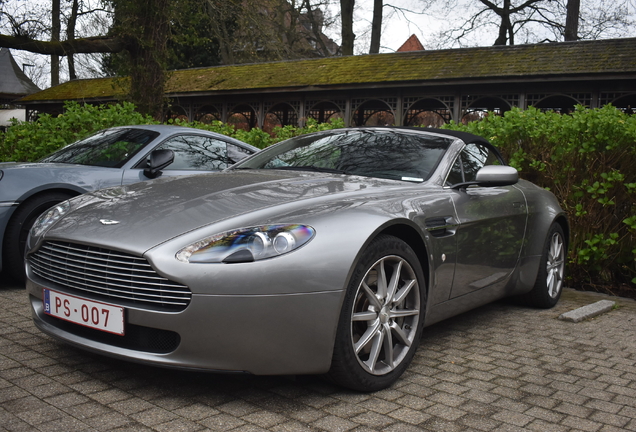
(108, 222)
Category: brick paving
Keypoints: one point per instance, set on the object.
(501, 367)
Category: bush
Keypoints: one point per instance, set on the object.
(587, 160)
(30, 141)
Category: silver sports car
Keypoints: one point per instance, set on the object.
(324, 254)
(110, 157)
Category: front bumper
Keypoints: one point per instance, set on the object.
(258, 334)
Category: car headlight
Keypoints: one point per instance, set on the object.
(49, 217)
(247, 244)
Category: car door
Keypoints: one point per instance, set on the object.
(491, 224)
(193, 154)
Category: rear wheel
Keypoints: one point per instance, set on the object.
(549, 284)
(382, 317)
(18, 229)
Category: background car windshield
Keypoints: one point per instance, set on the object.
(386, 154)
(109, 148)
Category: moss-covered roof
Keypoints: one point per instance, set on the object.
(501, 62)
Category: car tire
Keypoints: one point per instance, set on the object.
(549, 284)
(18, 229)
(377, 338)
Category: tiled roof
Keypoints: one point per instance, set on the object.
(495, 62)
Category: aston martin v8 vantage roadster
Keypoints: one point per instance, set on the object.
(327, 253)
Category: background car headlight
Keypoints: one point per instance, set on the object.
(247, 244)
(49, 217)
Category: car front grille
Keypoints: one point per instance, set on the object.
(110, 275)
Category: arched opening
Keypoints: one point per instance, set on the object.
(428, 113)
(281, 114)
(324, 111)
(176, 112)
(242, 117)
(373, 113)
(484, 107)
(627, 104)
(558, 103)
(207, 114)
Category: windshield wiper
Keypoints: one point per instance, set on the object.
(312, 168)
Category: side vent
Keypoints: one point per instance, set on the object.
(441, 226)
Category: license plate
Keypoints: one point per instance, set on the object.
(89, 313)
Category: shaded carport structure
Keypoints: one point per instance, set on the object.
(427, 88)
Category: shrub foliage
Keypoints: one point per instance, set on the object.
(587, 159)
(30, 141)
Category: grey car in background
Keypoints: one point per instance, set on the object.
(327, 253)
(111, 157)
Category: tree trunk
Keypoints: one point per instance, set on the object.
(504, 26)
(346, 14)
(70, 36)
(376, 27)
(572, 20)
(55, 37)
(149, 23)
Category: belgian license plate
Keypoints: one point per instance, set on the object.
(89, 313)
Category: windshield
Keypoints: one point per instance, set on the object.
(398, 155)
(107, 148)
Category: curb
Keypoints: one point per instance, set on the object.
(589, 311)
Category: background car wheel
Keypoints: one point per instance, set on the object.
(382, 317)
(18, 229)
(549, 284)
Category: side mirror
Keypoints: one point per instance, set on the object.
(492, 175)
(158, 160)
(497, 175)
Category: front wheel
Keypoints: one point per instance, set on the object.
(18, 229)
(549, 284)
(382, 317)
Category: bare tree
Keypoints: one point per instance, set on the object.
(531, 21)
(348, 37)
(376, 26)
(571, 31)
(70, 35)
(55, 37)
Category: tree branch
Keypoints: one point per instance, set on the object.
(98, 44)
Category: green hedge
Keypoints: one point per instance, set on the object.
(588, 160)
(30, 141)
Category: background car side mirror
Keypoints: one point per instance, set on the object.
(158, 160)
(497, 175)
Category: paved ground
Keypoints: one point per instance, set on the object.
(499, 368)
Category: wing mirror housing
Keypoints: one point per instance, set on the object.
(492, 175)
(497, 175)
(158, 160)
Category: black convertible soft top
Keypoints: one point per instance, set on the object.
(464, 136)
(468, 138)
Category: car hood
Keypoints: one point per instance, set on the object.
(140, 216)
